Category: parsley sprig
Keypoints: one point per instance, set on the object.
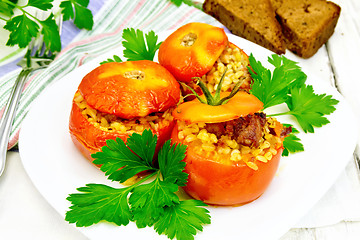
(286, 84)
(26, 26)
(78, 11)
(152, 201)
(273, 89)
(309, 108)
(136, 46)
(190, 3)
(292, 143)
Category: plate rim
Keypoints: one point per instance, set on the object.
(85, 66)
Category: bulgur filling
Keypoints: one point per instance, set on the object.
(112, 123)
(188, 40)
(224, 148)
(236, 62)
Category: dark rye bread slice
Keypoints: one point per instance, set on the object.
(251, 19)
(306, 24)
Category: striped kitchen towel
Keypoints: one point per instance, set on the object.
(109, 22)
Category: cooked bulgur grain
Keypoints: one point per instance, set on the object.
(226, 149)
(236, 62)
(112, 123)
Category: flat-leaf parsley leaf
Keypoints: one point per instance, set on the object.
(75, 9)
(286, 84)
(22, 30)
(51, 33)
(292, 143)
(25, 27)
(136, 48)
(151, 201)
(273, 89)
(183, 220)
(119, 162)
(148, 201)
(41, 4)
(190, 3)
(98, 202)
(309, 108)
(115, 58)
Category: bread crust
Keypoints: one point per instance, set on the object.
(302, 26)
(239, 17)
(306, 24)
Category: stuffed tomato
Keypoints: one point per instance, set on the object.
(202, 50)
(233, 150)
(118, 99)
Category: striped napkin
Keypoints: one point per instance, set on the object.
(79, 47)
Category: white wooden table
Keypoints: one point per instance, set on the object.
(343, 49)
(34, 218)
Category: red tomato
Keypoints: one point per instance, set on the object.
(192, 50)
(213, 177)
(209, 76)
(226, 182)
(89, 139)
(125, 90)
(130, 89)
(239, 105)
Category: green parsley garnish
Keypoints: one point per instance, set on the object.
(286, 84)
(26, 26)
(292, 143)
(273, 89)
(309, 108)
(115, 58)
(152, 201)
(6, 9)
(187, 2)
(136, 46)
(77, 10)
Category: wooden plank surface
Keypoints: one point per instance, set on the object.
(343, 50)
(340, 231)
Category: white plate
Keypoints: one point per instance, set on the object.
(57, 168)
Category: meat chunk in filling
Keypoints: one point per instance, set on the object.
(246, 130)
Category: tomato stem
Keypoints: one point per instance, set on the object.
(218, 89)
(194, 93)
(280, 114)
(209, 98)
(146, 178)
(234, 91)
(215, 100)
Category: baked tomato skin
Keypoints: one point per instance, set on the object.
(126, 90)
(192, 50)
(218, 180)
(130, 89)
(89, 138)
(209, 76)
(241, 104)
(227, 182)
